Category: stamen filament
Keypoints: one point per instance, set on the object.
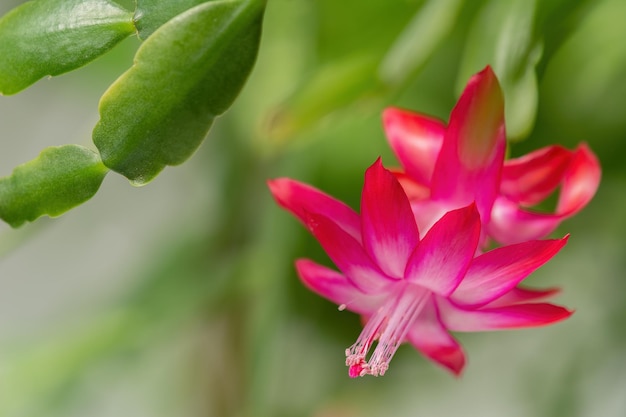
(389, 325)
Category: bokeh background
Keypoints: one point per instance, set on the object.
(180, 298)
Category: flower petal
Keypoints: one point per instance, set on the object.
(580, 180)
(348, 254)
(498, 271)
(511, 224)
(415, 139)
(299, 199)
(413, 189)
(388, 227)
(443, 256)
(469, 164)
(428, 212)
(515, 316)
(335, 287)
(432, 339)
(519, 295)
(531, 178)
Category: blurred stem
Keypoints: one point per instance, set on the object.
(260, 250)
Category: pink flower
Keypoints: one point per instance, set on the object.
(412, 288)
(450, 166)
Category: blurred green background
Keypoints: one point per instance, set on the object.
(180, 298)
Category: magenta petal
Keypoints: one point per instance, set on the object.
(432, 339)
(581, 180)
(443, 256)
(389, 232)
(515, 316)
(335, 287)
(498, 271)
(531, 178)
(415, 139)
(510, 224)
(520, 295)
(348, 255)
(300, 199)
(413, 189)
(428, 212)
(469, 165)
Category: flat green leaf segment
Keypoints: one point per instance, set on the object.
(186, 73)
(51, 37)
(151, 14)
(56, 181)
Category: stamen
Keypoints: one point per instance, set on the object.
(389, 325)
(355, 354)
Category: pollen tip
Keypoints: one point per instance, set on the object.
(379, 370)
(342, 307)
(358, 369)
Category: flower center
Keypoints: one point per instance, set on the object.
(389, 325)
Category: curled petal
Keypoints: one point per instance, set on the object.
(335, 287)
(515, 316)
(300, 199)
(415, 139)
(531, 178)
(389, 232)
(348, 255)
(443, 256)
(581, 180)
(469, 165)
(498, 271)
(432, 339)
(511, 223)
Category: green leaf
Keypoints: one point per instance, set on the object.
(419, 40)
(502, 35)
(58, 180)
(50, 37)
(152, 14)
(185, 74)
